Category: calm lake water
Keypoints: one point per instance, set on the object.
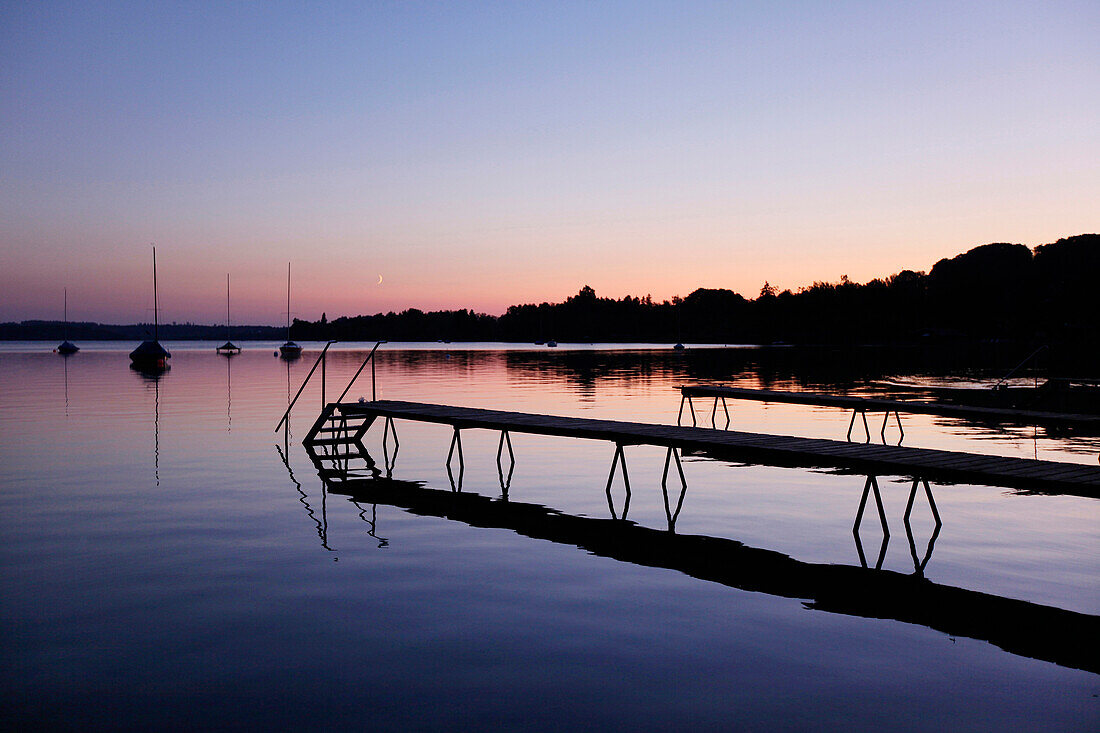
(165, 564)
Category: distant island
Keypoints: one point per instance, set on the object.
(1000, 292)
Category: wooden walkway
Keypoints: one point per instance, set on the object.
(780, 450)
(864, 404)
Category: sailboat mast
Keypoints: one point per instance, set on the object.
(227, 306)
(66, 329)
(288, 301)
(156, 319)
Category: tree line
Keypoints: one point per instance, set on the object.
(993, 292)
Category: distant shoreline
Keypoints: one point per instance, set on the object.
(992, 294)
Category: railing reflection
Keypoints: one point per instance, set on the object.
(872, 483)
(322, 521)
(372, 523)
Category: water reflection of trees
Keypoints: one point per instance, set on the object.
(810, 368)
(804, 367)
(586, 371)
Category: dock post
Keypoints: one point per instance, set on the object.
(931, 501)
(866, 429)
(387, 428)
(505, 482)
(872, 483)
(389, 461)
(673, 515)
(714, 413)
(456, 439)
(691, 406)
(885, 420)
(919, 564)
(619, 456)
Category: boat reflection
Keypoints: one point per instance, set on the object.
(1020, 627)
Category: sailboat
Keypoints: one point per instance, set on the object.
(289, 350)
(228, 348)
(150, 355)
(67, 347)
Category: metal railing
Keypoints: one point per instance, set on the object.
(321, 361)
(373, 380)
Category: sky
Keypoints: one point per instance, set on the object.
(478, 155)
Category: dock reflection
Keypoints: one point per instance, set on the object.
(1020, 627)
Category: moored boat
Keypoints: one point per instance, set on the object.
(228, 348)
(150, 355)
(67, 347)
(289, 350)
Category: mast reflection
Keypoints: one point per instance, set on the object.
(228, 392)
(65, 366)
(152, 374)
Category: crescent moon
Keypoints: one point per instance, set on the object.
(379, 279)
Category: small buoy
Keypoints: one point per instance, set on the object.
(274, 353)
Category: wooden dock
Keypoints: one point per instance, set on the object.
(779, 450)
(866, 404)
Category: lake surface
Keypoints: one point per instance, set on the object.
(170, 561)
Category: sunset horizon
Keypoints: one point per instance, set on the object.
(247, 302)
(494, 155)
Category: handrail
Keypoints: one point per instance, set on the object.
(1015, 368)
(320, 359)
(373, 383)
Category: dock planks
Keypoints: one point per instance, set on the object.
(1026, 473)
(869, 404)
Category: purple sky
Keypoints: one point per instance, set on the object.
(478, 155)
